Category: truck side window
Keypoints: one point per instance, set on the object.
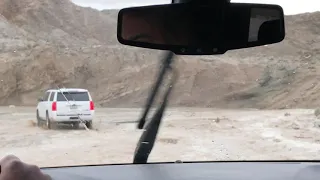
(52, 96)
(46, 96)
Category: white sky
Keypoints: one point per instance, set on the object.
(289, 6)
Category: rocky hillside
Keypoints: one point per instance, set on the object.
(49, 43)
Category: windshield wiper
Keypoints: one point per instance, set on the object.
(148, 137)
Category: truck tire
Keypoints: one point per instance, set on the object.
(48, 122)
(89, 124)
(76, 125)
(39, 122)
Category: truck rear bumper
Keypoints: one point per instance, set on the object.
(72, 118)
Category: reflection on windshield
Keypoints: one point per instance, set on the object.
(251, 104)
(153, 23)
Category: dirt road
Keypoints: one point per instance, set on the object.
(186, 134)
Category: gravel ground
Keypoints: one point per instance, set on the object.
(187, 134)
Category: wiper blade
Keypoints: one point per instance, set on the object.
(148, 137)
(166, 64)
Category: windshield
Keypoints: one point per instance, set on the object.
(252, 104)
(73, 96)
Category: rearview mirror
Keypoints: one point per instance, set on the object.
(201, 30)
(40, 99)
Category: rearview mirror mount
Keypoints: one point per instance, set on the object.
(189, 29)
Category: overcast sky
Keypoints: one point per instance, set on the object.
(289, 6)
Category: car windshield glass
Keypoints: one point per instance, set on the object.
(257, 103)
(73, 96)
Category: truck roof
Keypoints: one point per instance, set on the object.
(68, 90)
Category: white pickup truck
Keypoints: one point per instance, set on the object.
(65, 106)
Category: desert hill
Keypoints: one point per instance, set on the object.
(45, 43)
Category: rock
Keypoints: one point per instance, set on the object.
(317, 112)
(317, 124)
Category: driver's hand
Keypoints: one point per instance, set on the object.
(12, 168)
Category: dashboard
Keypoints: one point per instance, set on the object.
(191, 171)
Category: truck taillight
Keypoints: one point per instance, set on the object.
(91, 105)
(54, 106)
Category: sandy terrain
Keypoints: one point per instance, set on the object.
(186, 134)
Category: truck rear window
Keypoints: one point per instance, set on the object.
(73, 96)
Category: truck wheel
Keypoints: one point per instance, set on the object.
(38, 119)
(48, 122)
(76, 125)
(89, 124)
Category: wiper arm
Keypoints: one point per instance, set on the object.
(166, 64)
(148, 137)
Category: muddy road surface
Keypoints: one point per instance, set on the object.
(186, 134)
